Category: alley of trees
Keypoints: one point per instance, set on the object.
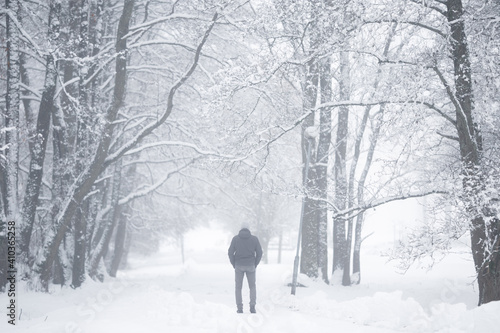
(125, 122)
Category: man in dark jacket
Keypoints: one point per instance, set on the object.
(244, 254)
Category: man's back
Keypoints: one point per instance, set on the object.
(245, 249)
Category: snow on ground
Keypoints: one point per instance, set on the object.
(160, 294)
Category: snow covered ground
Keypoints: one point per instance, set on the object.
(160, 294)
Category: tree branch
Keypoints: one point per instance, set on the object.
(137, 194)
(451, 137)
(417, 24)
(176, 143)
(454, 100)
(170, 103)
(353, 211)
(143, 26)
(23, 33)
(437, 9)
(355, 103)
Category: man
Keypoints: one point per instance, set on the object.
(244, 254)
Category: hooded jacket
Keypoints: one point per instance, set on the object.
(245, 249)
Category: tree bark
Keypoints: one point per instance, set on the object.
(12, 103)
(65, 118)
(82, 136)
(309, 245)
(79, 255)
(58, 276)
(119, 248)
(265, 249)
(126, 251)
(340, 254)
(25, 80)
(321, 166)
(484, 243)
(356, 266)
(103, 242)
(35, 175)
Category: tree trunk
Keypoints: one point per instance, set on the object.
(90, 32)
(121, 237)
(489, 273)
(65, 118)
(126, 250)
(356, 264)
(25, 93)
(81, 29)
(12, 102)
(265, 249)
(340, 247)
(80, 250)
(9, 164)
(58, 270)
(321, 166)
(484, 244)
(96, 206)
(102, 244)
(345, 94)
(356, 253)
(356, 261)
(35, 175)
(309, 245)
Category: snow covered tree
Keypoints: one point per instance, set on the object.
(452, 64)
(34, 182)
(316, 30)
(479, 205)
(79, 101)
(9, 166)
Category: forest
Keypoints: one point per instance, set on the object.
(125, 123)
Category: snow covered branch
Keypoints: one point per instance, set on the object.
(372, 103)
(170, 102)
(147, 25)
(353, 211)
(149, 189)
(455, 101)
(179, 144)
(427, 5)
(417, 24)
(23, 33)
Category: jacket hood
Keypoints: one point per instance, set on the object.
(244, 233)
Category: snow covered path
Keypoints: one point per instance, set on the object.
(159, 294)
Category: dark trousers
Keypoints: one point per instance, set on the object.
(240, 271)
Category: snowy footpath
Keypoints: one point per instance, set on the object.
(160, 294)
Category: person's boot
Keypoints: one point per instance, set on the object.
(252, 309)
(240, 309)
